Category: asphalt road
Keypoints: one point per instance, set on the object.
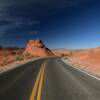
(48, 79)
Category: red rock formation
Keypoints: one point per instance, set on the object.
(37, 48)
(88, 59)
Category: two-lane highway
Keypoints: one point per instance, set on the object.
(17, 84)
(48, 79)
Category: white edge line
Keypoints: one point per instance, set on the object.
(62, 59)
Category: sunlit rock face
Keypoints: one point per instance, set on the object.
(37, 48)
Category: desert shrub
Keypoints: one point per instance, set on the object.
(19, 58)
(28, 55)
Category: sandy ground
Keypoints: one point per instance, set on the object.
(88, 67)
(16, 64)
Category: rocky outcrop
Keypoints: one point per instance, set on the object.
(37, 48)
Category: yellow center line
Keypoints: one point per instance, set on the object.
(33, 94)
(40, 85)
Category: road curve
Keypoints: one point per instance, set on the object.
(48, 79)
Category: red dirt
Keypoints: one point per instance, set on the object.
(8, 56)
(88, 59)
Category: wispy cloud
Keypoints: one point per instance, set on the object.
(15, 14)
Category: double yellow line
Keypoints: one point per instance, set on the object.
(36, 91)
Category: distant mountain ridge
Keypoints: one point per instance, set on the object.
(62, 52)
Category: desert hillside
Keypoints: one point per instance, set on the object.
(62, 52)
(87, 59)
(9, 55)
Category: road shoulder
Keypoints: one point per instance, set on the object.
(17, 64)
(81, 70)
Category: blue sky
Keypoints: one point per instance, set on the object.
(68, 24)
